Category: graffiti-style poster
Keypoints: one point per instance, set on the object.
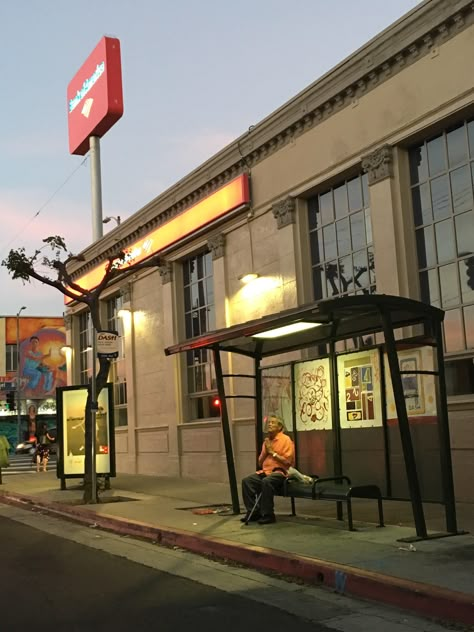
(419, 390)
(277, 397)
(313, 395)
(360, 401)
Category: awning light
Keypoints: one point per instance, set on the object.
(286, 330)
(248, 278)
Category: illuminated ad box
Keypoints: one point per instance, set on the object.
(71, 406)
(94, 96)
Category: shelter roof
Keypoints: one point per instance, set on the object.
(335, 319)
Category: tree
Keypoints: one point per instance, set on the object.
(22, 266)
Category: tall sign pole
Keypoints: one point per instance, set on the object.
(96, 189)
(95, 104)
(94, 407)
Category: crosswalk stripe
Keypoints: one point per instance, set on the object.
(23, 464)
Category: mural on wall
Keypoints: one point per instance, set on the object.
(419, 390)
(42, 363)
(313, 395)
(276, 393)
(360, 401)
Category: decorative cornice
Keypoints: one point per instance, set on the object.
(216, 245)
(166, 272)
(405, 42)
(379, 164)
(284, 212)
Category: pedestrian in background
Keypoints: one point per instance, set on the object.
(42, 449)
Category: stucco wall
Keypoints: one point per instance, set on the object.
(417, 93)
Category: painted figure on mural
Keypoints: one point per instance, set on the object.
(35, 369)
(31, 422)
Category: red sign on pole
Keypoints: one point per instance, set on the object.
(94, 96)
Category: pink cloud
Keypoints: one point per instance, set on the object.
(24, 228)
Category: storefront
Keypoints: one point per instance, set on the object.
(361, 184)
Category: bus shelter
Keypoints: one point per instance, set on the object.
(381, 402)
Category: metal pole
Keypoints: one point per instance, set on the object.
(96, 188)
(93, 415)
(337, 438)
(18, 385)
(226, 432)
(258, 409)
(97, 232)
(443, 433)
(404, 426)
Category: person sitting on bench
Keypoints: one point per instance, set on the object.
(277, 455)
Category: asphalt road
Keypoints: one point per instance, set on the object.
(60, 576)
(50, 583)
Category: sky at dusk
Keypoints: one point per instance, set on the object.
(196, 75)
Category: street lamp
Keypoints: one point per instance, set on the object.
(18, 386)
(116, 219)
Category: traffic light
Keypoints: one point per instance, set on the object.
(11, 400)
(470, 271)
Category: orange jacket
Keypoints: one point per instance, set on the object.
(285, 448)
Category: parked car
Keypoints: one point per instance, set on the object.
(26, 447)
(29, 447)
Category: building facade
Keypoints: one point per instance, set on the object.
(361, 183)
(32, 366)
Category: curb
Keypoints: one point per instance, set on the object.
(424, 599)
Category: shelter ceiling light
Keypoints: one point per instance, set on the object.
(287, 330)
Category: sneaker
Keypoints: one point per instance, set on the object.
(269, 519)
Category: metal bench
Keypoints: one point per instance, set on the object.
(338, 488)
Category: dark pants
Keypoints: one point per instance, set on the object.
(268, 485)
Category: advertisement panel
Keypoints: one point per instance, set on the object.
(94, 95)
(360, 398)
(71, 432)
(418, 387)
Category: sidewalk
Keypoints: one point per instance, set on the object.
(435, 579)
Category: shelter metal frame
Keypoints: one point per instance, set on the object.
(342, 318)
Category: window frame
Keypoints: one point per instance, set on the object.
(332, 234)
(199, 318)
